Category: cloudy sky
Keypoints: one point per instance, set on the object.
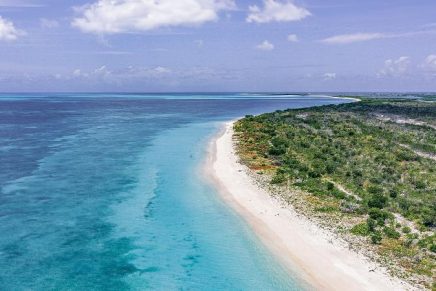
(217, 45)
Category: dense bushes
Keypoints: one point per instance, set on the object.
(357, 167)
(377, 200)
(348, 145)
(379, 215)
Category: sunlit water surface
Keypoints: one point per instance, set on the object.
(104, 192)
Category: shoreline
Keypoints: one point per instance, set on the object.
(313, 254)
(346, 98)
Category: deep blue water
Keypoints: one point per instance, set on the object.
(104, 192)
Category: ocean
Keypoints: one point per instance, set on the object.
(105, 192)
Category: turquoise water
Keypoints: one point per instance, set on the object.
(105, 192)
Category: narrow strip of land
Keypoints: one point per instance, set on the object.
(349, 168)
(313, 253)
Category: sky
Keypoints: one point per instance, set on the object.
(217, 45)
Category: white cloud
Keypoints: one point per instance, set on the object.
(276, 11)
(355, 37)
(265, 46)
(360, 37)
(395, 68)
(158, 71)
(430, 63)
(429, 66)
(102, 72)
(128, 73)
(48, 23)
(293, 38)
(329, 76)
(77, 73)
(118, 16)
(8, 32)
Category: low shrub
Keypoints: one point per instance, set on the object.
(371, 223)
(391, 233)
(376, 238)
(278, 179)
(406, 229)
(377, 200)
(361, 229)
(378, 215)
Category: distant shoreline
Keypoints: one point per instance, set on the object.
(347, 98)
(306, 250)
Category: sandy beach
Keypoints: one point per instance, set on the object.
(312, 253)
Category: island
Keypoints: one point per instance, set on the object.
(346, 193)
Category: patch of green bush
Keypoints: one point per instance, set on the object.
(376, 238)
(371, 223)
(391, 233)
(361, 229)
(429, 217)
(428, 242)
(406, 229)
(277, 151)
(378, 215)
(278, 179)
(377, 200)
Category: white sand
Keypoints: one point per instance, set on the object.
(312, 253)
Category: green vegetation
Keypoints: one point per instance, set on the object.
(362, 229)
(375, 160)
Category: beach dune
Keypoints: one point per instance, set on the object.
(309, 252)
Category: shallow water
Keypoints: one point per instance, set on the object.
(103, 192)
